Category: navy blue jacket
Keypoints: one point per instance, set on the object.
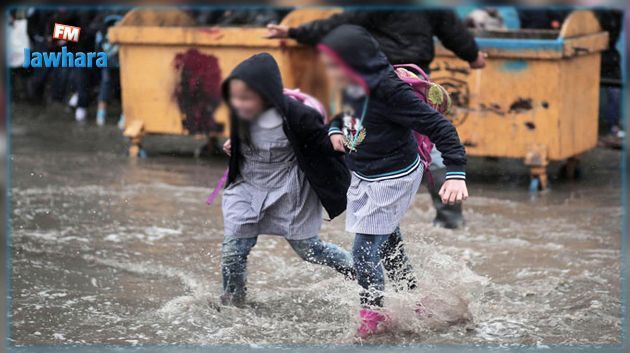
(388, 148)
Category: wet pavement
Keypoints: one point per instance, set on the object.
(113, 250)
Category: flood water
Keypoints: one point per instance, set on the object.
(112, 250)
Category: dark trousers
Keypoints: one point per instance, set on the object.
(38, 81)
(80, 80)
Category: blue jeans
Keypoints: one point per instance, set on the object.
(372, 254)
(234, 252)
(613, 107)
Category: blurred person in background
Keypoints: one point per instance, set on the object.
(611, 21)
(110, 75)
(39, 29)
(18, 40)
(254, 18)
(63, 81)
(542, 18)
(487, 19)
(405, 37)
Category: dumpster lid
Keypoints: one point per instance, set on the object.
(580, 34)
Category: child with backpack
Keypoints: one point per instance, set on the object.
(283, 169)
(375, 130)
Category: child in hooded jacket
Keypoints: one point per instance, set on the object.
(283, 168)
(375, 129)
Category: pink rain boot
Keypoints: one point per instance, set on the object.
(372, 322)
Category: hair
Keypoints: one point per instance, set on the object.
(243, 131)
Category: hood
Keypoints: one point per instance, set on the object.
(261, 73)
(358, 53)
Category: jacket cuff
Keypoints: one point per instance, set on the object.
(334, 130)
(293, 33)
(471, 53)
(455, 172)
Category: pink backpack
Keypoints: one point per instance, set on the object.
(431, 93)
(299, 96)
(307, 100)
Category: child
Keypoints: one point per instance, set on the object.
(283, 168)
(380, 112)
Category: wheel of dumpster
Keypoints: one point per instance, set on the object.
(133, 150)
(137, 151)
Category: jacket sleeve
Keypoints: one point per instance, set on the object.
(312, 32)
(454, 35)
(334, 127)
(411, 112)
(312, 132)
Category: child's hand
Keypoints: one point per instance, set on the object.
(277, 31)
(227, 147)
(480, 62)
(337, 142)
(453, 191)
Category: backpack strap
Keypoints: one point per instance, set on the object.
(415, 68)
(220, 183)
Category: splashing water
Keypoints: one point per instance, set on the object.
(127, 252)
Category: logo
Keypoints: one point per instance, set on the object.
(353, 131)
(65, 32)
(64, 57)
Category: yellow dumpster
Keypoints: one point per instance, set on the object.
(537, 98)
(171, 70)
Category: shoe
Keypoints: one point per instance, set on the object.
(121, 122)
(616, 132)
(80, 114)
(100, 117)
(74, 100)
(457, 224)
(372, 322)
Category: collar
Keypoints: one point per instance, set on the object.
(269, 119)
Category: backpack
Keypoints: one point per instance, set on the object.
(307, 100)
(431, 93)
(299, 96)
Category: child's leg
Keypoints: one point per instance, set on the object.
(103, 96)
(318, 252)
(366, 253)
(234, 252)
(397, 265)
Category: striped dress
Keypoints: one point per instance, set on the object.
(377, 207)
(271, 195)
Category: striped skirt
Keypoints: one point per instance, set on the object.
(376, 207)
